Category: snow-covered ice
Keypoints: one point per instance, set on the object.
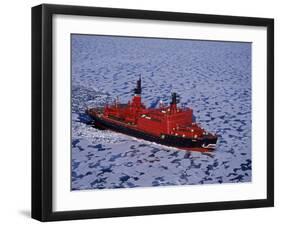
(213, 78)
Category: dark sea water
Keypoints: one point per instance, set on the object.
(212, 78)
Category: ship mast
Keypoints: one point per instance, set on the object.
(136, 101)
(137, 90)
(174, 102)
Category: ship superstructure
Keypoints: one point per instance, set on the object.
(168, 125)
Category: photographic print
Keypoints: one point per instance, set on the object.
(152, 112)
(130, 106)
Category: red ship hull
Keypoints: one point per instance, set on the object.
(205, 144)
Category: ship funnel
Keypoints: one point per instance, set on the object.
(137, 90)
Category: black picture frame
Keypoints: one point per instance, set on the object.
(42, 111)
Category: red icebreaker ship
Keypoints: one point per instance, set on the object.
(166, 125)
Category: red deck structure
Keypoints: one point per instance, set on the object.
(168, 125)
